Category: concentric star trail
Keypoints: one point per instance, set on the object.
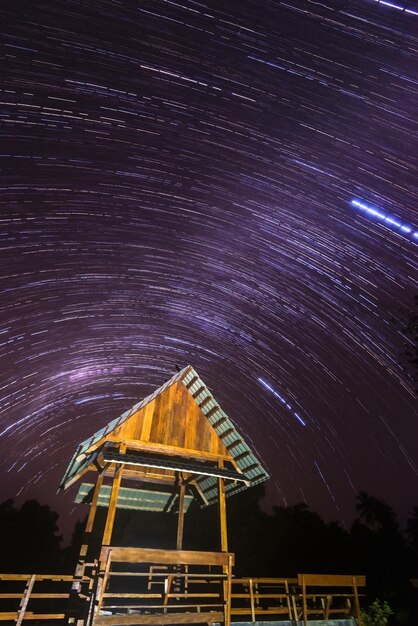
(214, 183)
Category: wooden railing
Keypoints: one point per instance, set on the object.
(262, 597)
(183, 587)
(37, 596)
(144, 586)
(327, 595)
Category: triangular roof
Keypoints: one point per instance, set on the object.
(181, 414)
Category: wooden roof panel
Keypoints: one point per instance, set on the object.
(182, 413)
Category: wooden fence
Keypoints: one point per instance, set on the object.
(144, 586)
(38, 596)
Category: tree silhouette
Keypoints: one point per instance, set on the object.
(376, 514)
(29, 540)
(412, 530)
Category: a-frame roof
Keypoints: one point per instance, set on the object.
(183, 405)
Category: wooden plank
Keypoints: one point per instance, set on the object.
(161, 607)
(110, 519)
(31, 616)
(304, 601)
(16, 596)
(356, 600)
(199, 577)
(261, 596)
(159, 596)
(200, 491)
(177, 434)
(191, 382)
(25, 599)
(331, 580)
(152, 596)
(39, 577)
(169, 557)
(157, 426)
(205, 401)
(274, 610)
(151, 446)
(180, 523)
(227, 596)
(147, 412)
(222, 513)
(161, 619)
(265, 581)
(252, 600)
(97, 599)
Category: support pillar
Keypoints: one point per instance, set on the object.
(79, 571)
(110, 518)
(222, 512)
(180, 523)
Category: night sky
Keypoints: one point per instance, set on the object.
(227, 184)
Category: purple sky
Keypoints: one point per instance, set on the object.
(176, 187)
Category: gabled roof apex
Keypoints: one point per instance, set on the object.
(243, 457)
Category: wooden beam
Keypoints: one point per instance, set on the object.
(144, 474)
(228, 590)
(180, 523)
(162, 448)
(110, 518)
(158, 620)
(164, 557)
(356, 599)
(200, 491)
(25, 600)
(222, 512)
(92, 512)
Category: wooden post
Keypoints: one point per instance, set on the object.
(25, 600)
(91, 516)
(228, 591)
(222, 512)
(252, 600)
(79, 571)
(289, 606)
(110, 519)
(101, 586)
(93, 506)
(180, 523)
(304, 602)
(357, 602)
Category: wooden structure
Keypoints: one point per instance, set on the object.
(44, 598)
(37, 597)
(263, 598)
(174, 446)
(327, 595)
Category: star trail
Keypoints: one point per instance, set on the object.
(391, 221)
(282, 400)
(193, 182)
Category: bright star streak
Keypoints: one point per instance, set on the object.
(387, 220)
(397, 6)
(282, 400)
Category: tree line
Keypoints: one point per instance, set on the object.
(287, 541)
